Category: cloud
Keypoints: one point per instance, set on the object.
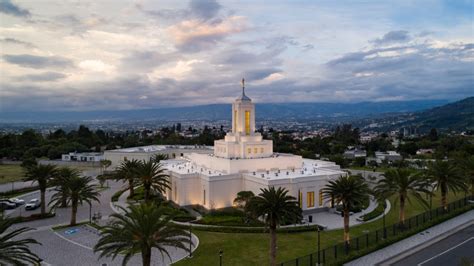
(18, 42)
(9, 8)
(146, 60)
(34, 61)
(195, 35)
(43, 77)
(398, 36)
(204, 9)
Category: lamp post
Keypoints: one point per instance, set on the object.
(190, 240)
(384, 229)
(319, 246)
(220, 257)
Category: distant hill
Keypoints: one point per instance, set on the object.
(453, 116)
(265, 111)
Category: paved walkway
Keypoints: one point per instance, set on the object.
(411, 243)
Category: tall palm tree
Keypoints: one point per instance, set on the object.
(153, 177)
(141, 228)
(404, 185)
(446, 177)
(62, 176)
(41, 173)
(77, 189)
(127, 172)
(349, 191)
(14, 251)
(275, 206)
(467, 166)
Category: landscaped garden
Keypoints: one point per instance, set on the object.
(252, 248)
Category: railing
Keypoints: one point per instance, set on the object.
(368, 242)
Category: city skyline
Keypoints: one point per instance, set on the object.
(79, 55)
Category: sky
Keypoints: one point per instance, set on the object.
(111, 55)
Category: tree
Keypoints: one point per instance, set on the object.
(127, 172)
(141, 228)
(243, 198)
(404, 185)
(349, 191)
(77, 189)
(446, 177)
(61, 180)
(42, 174)
(153, 177)
(159, 157)
(275, 206)
(467, 166)
(105, 164)
(14, 251)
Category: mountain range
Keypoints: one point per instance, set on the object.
(264, 111)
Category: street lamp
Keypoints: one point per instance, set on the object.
(190, 240)
(220, 257)
(384, 229)
(319, 246)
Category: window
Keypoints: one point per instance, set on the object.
(204, 197)
(249, 150)
(125, 159)
(310, 199)
(300, 198)
(320, 197)
(247, 122)
(235, 120)
(255, 150)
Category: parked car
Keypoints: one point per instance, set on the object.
(6, 204)
(32, 204)
(17, 201)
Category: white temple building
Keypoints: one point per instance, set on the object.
(243, 160)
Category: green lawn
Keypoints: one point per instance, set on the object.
(9, 173)
(253, 248)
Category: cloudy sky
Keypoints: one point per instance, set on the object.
(92, 55)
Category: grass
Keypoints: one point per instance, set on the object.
(10, 173)
(253, 248)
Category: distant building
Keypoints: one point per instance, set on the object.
(83, 156)
(354, 153)
(389, 156)
(424, 151)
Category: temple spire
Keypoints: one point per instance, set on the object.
(243, 97)
(243, 86)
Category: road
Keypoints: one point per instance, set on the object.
(454, 250)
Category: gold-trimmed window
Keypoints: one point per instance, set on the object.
(247, 122)
(310, 199)
(300, 199)
(235, 120)
(249, 150)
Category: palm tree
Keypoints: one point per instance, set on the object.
(153, 177)
(467, 166)
(14, 251)
(77, 190)
(349, 191)
(105, 164)
(61, 179)
(159, 157)
(127, 172)
(141, 228)
(404, 185)
(275, 206)
(446, 176)
(42, 174)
